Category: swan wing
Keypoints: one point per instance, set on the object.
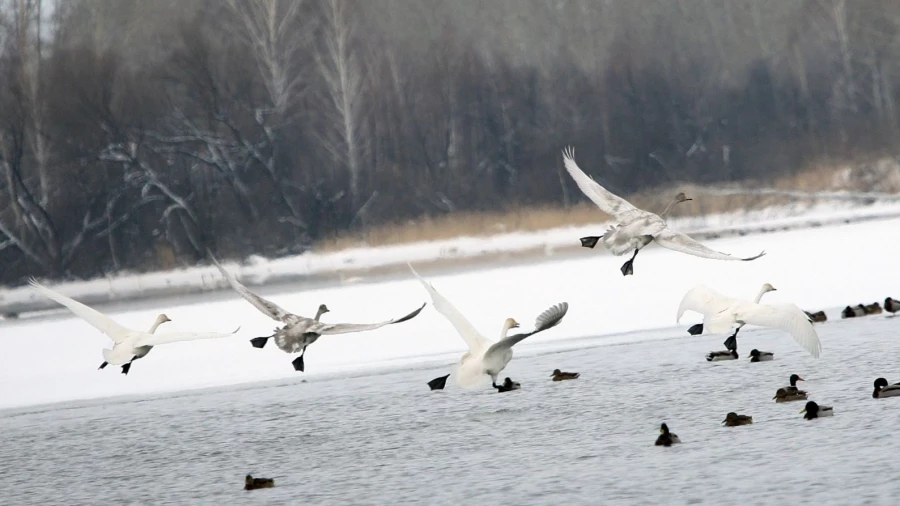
(174, 337)
(787, 317)
(548, 319)
(608, 202)
(267, 307)
(345, 328)
(680, 242)
(704, 300)
(466, 330)
(98, 320)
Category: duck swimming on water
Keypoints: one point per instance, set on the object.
(791, 393)
(507, 385)
(666, 438)
(882, 389)
(251, 483)
(813, 410)
(716, 356)
(733, 419)
(761, 356)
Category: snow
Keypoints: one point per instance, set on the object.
(55, 358)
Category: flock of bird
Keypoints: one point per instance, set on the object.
(634, 229)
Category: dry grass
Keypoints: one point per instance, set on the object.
(865, 177)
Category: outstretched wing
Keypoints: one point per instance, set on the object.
(98, 320)
(704, 300)
(787, 317)
(174, 337)
(680, 242)
(267, 307)
(548, 319)
(344, 328)
(608, 202)
(466, 330)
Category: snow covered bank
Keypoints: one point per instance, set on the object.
(352, 263)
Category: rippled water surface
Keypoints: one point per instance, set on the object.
(385, 439)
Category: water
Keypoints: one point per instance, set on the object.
(386, 439)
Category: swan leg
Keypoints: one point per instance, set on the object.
(298, 362)
(104, 364)
(696, 329)
(438, 383)
(259, 342)
(590, 241)
(628, 267)
(731, 342)
(126, 368)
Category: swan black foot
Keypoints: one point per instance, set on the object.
(731, 342)
(438, 383)
(259, 342)
(696, 329)
(628, 268)
(590, 242)
(126, 368)
(104, 364)
(298, 363)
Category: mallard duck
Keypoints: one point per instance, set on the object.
(733, 419)
(507, 385)
(666, 438)
(715, 356)
(874, 308)
(760, 356)
(882, 389)
(251, 483)
(438, 383)
(562, 376)
(817, 317)
(813, 410)
(891, 305)
(791, 393)
(853, 312)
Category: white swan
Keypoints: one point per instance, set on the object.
(731, 342)
(299, 331)
(486, 357)
(142, 351)
(720, 313)
(635, 227)
(128, 344)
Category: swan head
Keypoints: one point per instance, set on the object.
(323, 309)
(162, 318)
(681, 197)
(510, 324)
(768, 288)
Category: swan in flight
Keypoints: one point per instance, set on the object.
(143, 350)
(299, 331)
(720, 313)
(486, 357)
(731, 342)
(635, 227)
(128, 344)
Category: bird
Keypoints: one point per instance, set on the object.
(731, 341)
(143, 350)
(853, 312)
(635, 228)
(790, 393)
(891, 306)
(438, 383)
(562, 376)
(817, 317)
(761, 356)
(882, 389)
(486, 357)
(717, 356)
(507, 385)
(251, 483)
(128, 344)
(813, 410)
(666, 438)
(874, 308)
(720, 313)
(733, 419)
(299, 332)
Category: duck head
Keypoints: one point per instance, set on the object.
(794, 379)
(555, 372)
(663, 429)
(811, 410)
(730, 417)
(879, 384)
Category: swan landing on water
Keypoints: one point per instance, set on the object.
(635, 228)
(486, 357)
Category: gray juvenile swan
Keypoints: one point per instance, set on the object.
(299, 331)
(635, 227)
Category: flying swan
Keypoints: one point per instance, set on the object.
(721, 313)
(635, 227)
(486, 357)
(128, 344)
(299, 331)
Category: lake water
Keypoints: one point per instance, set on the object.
(386, 439)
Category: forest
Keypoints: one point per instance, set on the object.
(135, 134)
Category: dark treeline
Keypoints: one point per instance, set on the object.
(134, 134)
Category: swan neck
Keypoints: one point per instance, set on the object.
(505, 330)
(762, 291)
(155, 326)
(319, 313)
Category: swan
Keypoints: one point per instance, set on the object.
(486, 357)
(891, 305)
(720, 313)
(733, 419)
(666, 438)
(128, 344)
(143, 350)
(299, 331)
(813, 410)
(882, 389)
(438, 383)
(251, 483)
(635, 227)
(731, 342)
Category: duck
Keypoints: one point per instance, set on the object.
(562, 376)
(666, 438)
(635, 228)
(790, 393)
(507, 385)
(716, 356)
(486, 357)
(251, 483)
(874, 308)
(299, 332)
(882, 389)
(733, 419)
(853, 312)
(891, 306)
(721, 313)
(761, 356)
(817, 317)
(438, 383)
(813, 410)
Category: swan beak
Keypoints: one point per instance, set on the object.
(804, 411)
